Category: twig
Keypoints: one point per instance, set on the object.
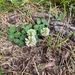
(25, 67)
(36, 69)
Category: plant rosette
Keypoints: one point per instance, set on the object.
(31, 41)
(31, 32)
(45, 31)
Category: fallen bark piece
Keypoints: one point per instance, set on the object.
(41, 15)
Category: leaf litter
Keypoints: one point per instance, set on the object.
(39, 60)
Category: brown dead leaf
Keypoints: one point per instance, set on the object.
(67, 55)
(48, 73)
(49, 64)
(43, 66)
(43, 73)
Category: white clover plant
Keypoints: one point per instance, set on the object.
(31, 32)
(30, 41)
(45, 31)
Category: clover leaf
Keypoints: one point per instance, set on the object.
(22, 37)
(36, 27)
(21, 43)
(12, 29)
(38, 21)
(16, 41)
(46, 23)
(43, 20)
(11, 37)
(37, 39)
(28, 27)
(23, 32)
(17, 34)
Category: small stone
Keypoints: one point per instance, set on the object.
(12, 19)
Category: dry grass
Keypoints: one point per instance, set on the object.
(39, 60)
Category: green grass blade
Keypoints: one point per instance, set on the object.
(0, 71)
(73, 66)
(65, 39)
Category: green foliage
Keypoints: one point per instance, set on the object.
(64, 39)
(37, 38)
(7, 4)
(18, 37)
(16, 3)
(41, 23)
(0, 71)
(59, 17)
(26, 28)
(10, 4)
(12, 29)
(38, 21)
(17, 34)
(11, 37)
(16, 41)
(21, 43)
(4, 5)
(72, 62)
(22, 37)
(72, 9)
(66, 4)
(23, 9)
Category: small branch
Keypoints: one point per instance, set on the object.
(36, 68)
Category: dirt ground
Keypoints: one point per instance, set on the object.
(39, 60)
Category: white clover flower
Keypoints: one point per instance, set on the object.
(45, 31)
(31, 32)
(31, 41)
